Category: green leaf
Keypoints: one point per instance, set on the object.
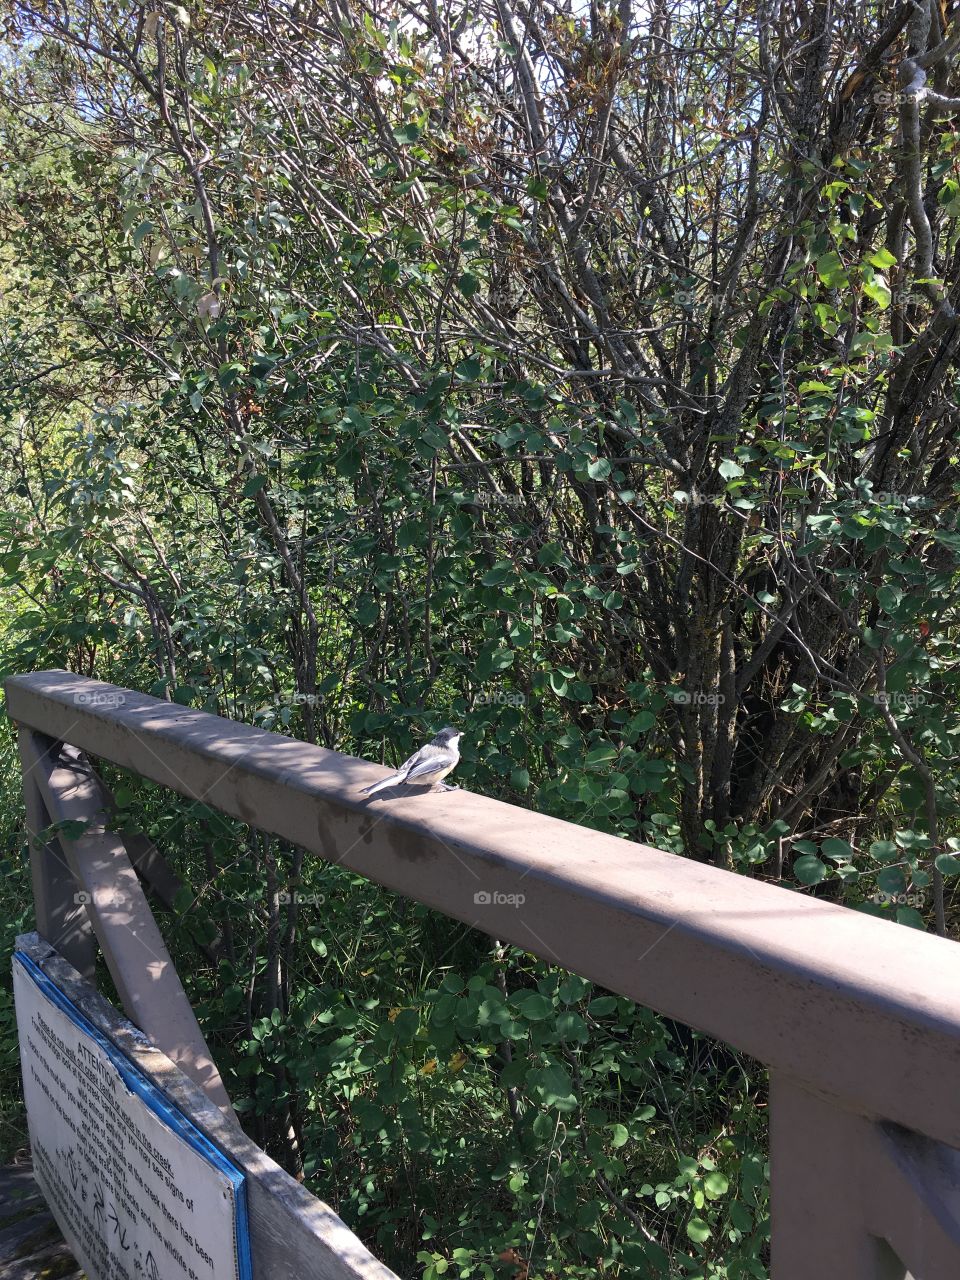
(837, 849)
(882, 259)
(698, 1230)
(554, 1087)
(407, 134)
(262, 365)
(892, 880)
(910, 917)
(468, 284)
(619, 1135)
(469, 370)
(230, 373)
(499, 574)
(831, 271)
(740, 1216)
(598, 469)
(729, 469)
(253, 486)
(533, 1006)
(570, 1026)
(183, 900)
(884, 851)
(808, 869)
(947, 864)
(876, 289)
(367, 611)
(573, 988)
(715, 1185)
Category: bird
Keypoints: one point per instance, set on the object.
(431, 764)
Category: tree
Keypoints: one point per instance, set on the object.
(628, 342)
(582, 375)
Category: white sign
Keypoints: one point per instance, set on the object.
(138, 1191)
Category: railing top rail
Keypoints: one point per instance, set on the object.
(859, 1009)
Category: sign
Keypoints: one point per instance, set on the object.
(137, 1190)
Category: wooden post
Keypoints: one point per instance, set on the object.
(62, 918)
(133, 947)
(820, 1188)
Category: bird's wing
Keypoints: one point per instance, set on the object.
(410, 762)
(401, 774)
(431, 760)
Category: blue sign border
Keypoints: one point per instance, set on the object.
(161, 1106)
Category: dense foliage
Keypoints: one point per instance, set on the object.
(582, 376)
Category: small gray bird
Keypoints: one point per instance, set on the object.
(431, 763)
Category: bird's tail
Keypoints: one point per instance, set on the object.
(382, 784)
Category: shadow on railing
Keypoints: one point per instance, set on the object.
(858, 1019)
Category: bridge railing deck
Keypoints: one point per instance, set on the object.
(858, 1020)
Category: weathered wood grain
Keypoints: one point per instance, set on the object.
(132, 945)
(60, 918)
(863, 1011)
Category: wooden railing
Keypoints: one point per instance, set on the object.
(857, 1019)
